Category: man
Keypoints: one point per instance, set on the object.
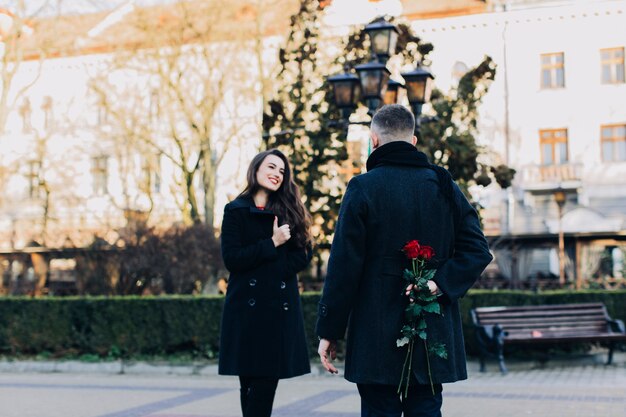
(402, 197)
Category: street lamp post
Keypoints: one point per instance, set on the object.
(560, 198)
(374, 83)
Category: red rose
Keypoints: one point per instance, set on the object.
(426, 253)
(412, 249)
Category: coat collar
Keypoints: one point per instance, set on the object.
(397, 153)
(248, 202)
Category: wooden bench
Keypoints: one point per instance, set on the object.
(543, 324)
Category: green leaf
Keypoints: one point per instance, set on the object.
(422, 335)
(421, 325)
(428, 299)
(438, 349)
(408, 275)
(433, 308)
(429, 274)
(408, 332)
(415, 309)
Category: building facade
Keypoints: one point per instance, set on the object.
(556, 113)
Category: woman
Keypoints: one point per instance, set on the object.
(265, 242)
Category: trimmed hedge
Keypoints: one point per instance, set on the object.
(116, 326)
(134, 326)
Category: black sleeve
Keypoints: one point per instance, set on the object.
(297, 259)
(239, 258)
(471, 253)
(345, 265)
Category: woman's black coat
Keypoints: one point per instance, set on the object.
(262, 324)
(398, 201)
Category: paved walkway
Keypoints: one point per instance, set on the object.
(555, 391)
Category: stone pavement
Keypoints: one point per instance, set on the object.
(583, 388)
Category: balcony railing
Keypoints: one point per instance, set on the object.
(547, 177)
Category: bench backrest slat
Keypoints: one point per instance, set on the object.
(540, 320)
(541, 306)
(549, 320)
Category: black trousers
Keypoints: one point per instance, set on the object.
(384, 401)
(257, 395)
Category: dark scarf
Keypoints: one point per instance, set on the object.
(405, 154)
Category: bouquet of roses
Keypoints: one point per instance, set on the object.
(421, 302)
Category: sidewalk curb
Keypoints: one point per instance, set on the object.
(129, 367)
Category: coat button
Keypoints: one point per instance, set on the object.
(251, 302)
(285, 306)
(252, 282)
(282, 285)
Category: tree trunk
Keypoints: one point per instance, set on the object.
(192, 201)
(209, 177)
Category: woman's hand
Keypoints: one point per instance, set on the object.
(281, 234)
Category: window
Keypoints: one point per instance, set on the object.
(553, 143)
(552, 70)
(100, 172)
(613, 138)
(612, 61)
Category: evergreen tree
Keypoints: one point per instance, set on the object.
(301, 121)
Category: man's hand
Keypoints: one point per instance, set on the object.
(432, 286)
(328, 348)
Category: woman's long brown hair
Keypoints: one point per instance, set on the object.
(285, 201)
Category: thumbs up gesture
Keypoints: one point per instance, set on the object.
(281, 233)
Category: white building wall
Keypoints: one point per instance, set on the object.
(579, 31)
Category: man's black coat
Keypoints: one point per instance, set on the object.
(400, 198)
(262, 326)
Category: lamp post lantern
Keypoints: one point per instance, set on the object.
(392, 94)
(383, 38)
(347, 92)
(374, 77)
(419, 85)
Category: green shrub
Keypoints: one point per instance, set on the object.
(110, 327)
(125, 327)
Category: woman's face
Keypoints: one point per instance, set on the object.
(271, 172)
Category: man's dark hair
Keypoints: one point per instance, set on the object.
(393, 122)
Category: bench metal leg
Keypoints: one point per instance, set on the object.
(482, 363)
(610, 357)
(501, 362)
(498, 334)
